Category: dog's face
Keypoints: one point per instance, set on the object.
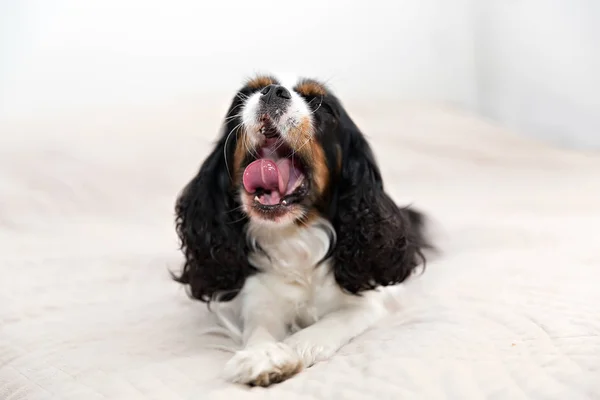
(289, 154)
(286, 148)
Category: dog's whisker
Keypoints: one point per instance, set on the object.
(280, 142)
(235, 209)
(242, 96)
(231, 117)
(250, 149)
(225, 148)
(308, 140)
(238, 220)
(319, 106)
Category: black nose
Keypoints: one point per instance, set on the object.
(274, 93)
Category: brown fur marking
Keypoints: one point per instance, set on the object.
(302, 138)
(238, 157)
(260, 81)
(339, 158)
(309, 87)
(279, 374)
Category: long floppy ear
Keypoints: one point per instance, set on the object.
(378, 243)
(210, 227)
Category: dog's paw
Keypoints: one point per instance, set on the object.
(263, 365)
(310, 352)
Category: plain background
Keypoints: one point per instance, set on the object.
(530, 65)
(108, 108)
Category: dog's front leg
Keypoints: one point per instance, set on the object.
(320, 341)
(264, 359)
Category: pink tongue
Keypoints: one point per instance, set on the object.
(267, 175)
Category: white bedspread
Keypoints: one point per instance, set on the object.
(510, 310)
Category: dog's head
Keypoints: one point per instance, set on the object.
(288, 154)
(286, 148)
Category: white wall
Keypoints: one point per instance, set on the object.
(538, 67)
(530, 64)
(70, 53)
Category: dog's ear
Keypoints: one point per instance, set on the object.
(210, 226)
(378, 243)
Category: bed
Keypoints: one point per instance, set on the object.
(509, 309)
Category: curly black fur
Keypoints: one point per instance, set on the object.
(378, 243)
(210, 227)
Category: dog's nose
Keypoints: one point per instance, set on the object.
(274, 93)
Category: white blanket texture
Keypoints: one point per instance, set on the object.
(510, 309)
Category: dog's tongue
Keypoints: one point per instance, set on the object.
(268, 175)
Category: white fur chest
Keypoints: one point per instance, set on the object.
(289, 270)
(291, 252)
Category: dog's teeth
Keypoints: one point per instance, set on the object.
(284, 202)
(255, 198)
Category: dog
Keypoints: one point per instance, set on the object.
(288, 220)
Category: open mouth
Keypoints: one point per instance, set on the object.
(268, 129)
(277, 177)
